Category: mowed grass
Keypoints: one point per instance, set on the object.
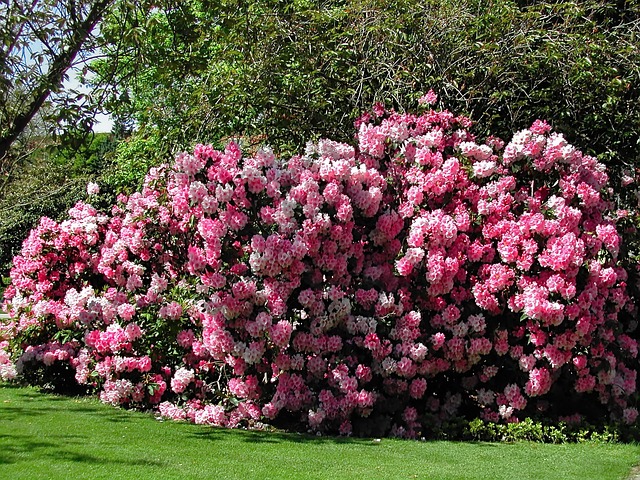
(46, 436)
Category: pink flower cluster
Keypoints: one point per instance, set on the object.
(416, 277)
(7, 368)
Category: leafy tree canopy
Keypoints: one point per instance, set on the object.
(285, 71)
(40, 40)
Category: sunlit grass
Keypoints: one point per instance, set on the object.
(46, 436)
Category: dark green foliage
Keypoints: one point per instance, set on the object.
(133, 157)
(59, 378)
(289, 71)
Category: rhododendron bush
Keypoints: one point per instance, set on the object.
(383, 288)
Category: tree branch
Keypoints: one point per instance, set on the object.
(59, 66)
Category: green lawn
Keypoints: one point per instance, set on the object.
(45, 436)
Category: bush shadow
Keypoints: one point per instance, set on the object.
(259, 436)
(66, 448)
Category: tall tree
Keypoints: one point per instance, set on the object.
(40, 40)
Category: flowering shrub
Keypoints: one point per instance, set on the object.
(377, 290)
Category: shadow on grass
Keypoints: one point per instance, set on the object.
(85, 406)
(36, 403)
(11, 413)
(38, 408)
(11, 386)
(110, 414)
(215, 434)
(40, 395)
(253, 436)
(61, 448)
